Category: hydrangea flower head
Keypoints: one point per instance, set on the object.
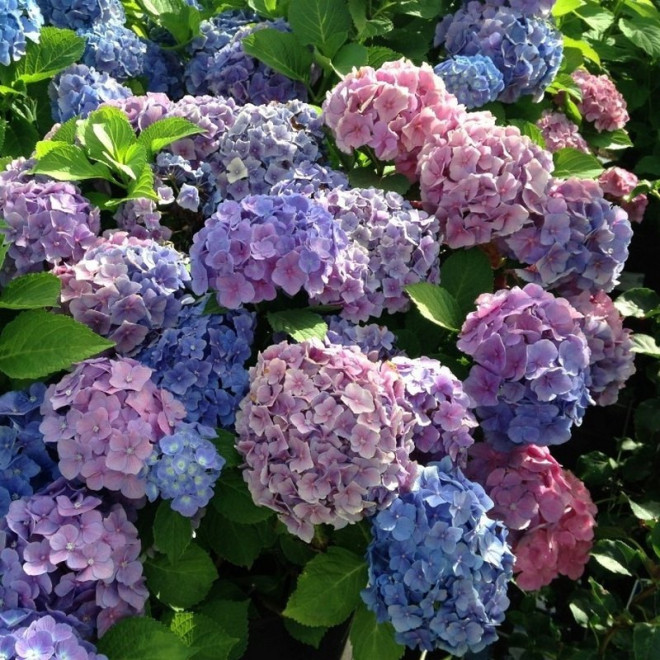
(602, 103)
(201, 360)
(76, 14)
(526, 49)
(141, 218)
(374, 340)
(142, 111)
(113, 49)
(323, 436)
(531, 373)
(105, 418)
(163, 71)
(20, 20)
(481, 180)
(617, 184)
(438, 566)
(548, 511)
(526, 7)
(560, 132)
(124, 287)
(473, 79)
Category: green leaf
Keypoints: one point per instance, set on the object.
(106, 132)
(31, 292)
(143, 187)
(646, 510)
(371, 639)
(69, 163)
(358, 11)
(529, 129)
(212, 306)
(365, 177)
(612, 140)
(232, 616)
(655, 540)
(571, 162)
(184, 582)
(466, 274)
(378, 55)
(142, 638)
(645, 344)
(613, 556)
(646, 641)
(233, 499)
(349, 56)
(306, 634)
(3, 130)
(56, 50)
(172, 531)
(647, 416)
(66, 131)
(639, 303)
(643, 33)
(37, 343)
(163, 132)
(224, 443)
(281, 51)
(317, 22)
(596, 17)
(563, 7)
(206, 639)
(45, 146)
(587, 51)
(436, 304)
(328, 589)
(300, 324)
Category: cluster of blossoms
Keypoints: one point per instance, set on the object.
(438, 566)
(443, 421)
(113, 49)
(392, 110)
(201, 360)
(77, 14)
(473, 79)
(105, 418)
(65, 549)
(617, 185)
(184, 468)
(526, 49)
(531, 372)
(482, 180)
(142, 218)
(578, 242)
(526, 7)
(548, 511)
(374, 340)
(48, 222)
(559, 132)
(601, 103)
(125, 287)
(390, 245)
(323, 436)
(247, 249)
(19, 20)
(26, 635)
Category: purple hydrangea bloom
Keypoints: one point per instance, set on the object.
(526, 49)
(473, 79)
(163, 71)
(124, 288)
(113, 49)
(443, 421)
(531, 374)
(184, 468)
(48, 222)
(65, 549)
(578, 242)
(374, 340)
(78, 90)
(526, 7)
(249, 249)
(141, 218)
(201, 360)
(76, 14)
(309, 179)
(19, 20)
(438, 566)
(323, 436)
(105, 418)
(142, 111)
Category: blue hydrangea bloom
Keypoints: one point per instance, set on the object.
(163, 71)
(19, 20)
(184, 468)
(473, 79)
(526, 49)
(202, 362)
(438, 566)
(113, 49)
(79, 90)
(76, 14)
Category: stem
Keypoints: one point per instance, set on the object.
(423, 656)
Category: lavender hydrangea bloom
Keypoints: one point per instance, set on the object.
(249, 249)
(201, 360)
(473, 79)
(184, 468)
(113, 49)
(438, 567)
(323, 436)
(78, 90)
(48, 222)
(125, 287)
(141, 218)
(374, 340)
(142, 111)
(65, 549)
(527, 50)
(76, 14)
(531, 374)
(309, 179)
(19, 20)
(579, 241)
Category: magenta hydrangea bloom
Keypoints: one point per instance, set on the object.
(105, 418)
(124, 288)
(49, 222)
(602, 103)
(617, 184)
(612, 361)
(482, 180)
(549, 512)
(531, 373)
(393, 110)
(323, 436)
(559, 132)
(578, 242)
(66, 549)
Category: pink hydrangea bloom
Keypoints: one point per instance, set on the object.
(323, 436)
(560, 132)
(617, 184)
(548, 511)
(601, 103)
